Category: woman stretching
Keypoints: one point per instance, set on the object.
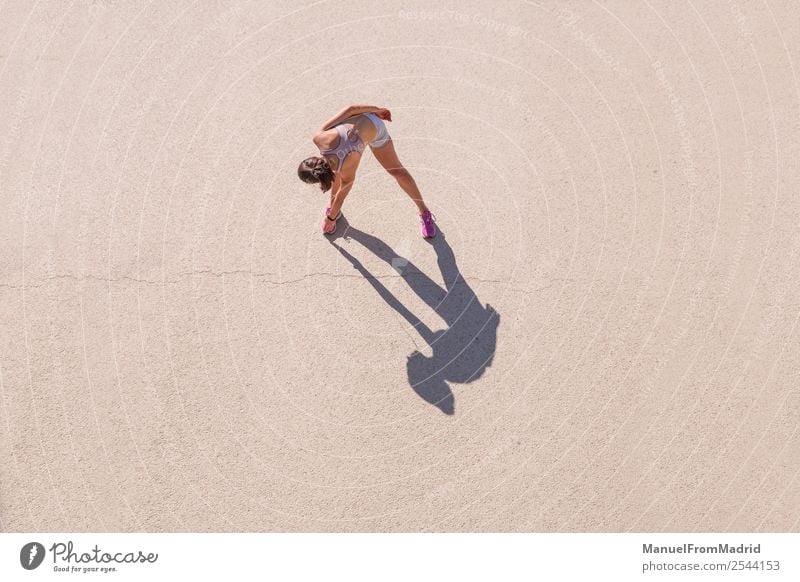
(341, 143)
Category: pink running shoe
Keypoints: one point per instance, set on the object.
(428, 227)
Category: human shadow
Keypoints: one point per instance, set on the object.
(465, 348)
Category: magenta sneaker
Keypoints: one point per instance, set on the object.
(428, 227)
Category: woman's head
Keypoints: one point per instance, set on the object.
(315, 170)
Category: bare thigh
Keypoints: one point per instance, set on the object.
(387, 157)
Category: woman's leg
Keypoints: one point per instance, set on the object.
(387, 157)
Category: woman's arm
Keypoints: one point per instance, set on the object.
(338, 198)
(343, 182)
(350, 111)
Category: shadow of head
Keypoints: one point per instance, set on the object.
(426, 381)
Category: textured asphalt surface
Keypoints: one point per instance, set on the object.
(603, 337)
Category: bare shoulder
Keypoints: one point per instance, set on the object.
(325, 138)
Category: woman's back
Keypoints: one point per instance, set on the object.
(329, 139)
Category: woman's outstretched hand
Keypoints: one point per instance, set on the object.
(328, 225)
(384, 114)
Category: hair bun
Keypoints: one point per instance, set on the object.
(318, 170)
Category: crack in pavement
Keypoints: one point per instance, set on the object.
(182, 276)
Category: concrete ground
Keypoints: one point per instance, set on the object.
(604, 338)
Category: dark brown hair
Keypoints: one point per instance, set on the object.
(316, 170)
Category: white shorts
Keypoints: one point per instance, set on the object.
(382, 137)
